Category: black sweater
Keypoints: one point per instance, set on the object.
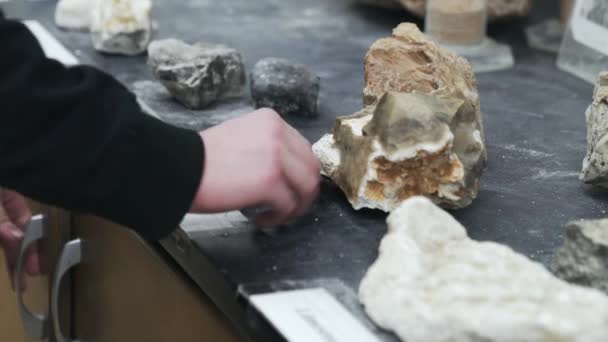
(76, 138)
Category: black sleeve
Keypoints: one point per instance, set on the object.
(77, 139)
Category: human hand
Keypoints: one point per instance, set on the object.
(255, 161)
(14, 216)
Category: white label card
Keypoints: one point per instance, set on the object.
(51, 46)
(590, 24)
(230, 221)
(311, 315)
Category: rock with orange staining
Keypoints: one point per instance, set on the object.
(420, 134)
(406, 145)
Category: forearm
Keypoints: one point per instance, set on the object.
(76, 138)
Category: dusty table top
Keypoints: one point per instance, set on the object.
(534, 120)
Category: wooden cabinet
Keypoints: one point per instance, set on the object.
(125, 291)
(37, 295)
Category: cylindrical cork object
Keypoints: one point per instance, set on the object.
(457, 22)
(566, 10)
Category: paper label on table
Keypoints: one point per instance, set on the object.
(50, 45)
(311, 315)
(231, 221)
(590, 24)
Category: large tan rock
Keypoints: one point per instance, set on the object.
(402, 147)
(431, 282)
(421, 132)
(496, 8)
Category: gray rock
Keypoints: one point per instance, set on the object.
(288, 88)
(595, 165)
(583, 259)
(197, 75)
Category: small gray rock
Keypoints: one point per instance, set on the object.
(197, 75)
(288, 88)
(583, 259)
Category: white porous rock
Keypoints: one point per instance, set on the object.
(197, 75)
(122, 26)
(595, 164)
(406, 145)
(74, 14)
(431, 282)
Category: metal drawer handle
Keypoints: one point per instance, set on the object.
(36, 325)
(71, 256)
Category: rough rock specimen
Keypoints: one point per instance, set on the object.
(122, 26)
(425, 140)
(403, 147)
(408, 61)
(74, 14)
(583, 259)
(431, 282)
(496, 8)
(288, 88)
(197, 75)
(595, 165)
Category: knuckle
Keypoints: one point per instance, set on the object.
(269, 114)
(272, 177)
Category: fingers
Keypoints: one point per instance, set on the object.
(303, 180)
(16, 208)
(10, 238)
(32, 261)
(300, 146)
(283, 203)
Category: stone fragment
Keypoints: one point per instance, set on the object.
(288, 88)
(595, 164)
(403, 147)
(197, 75)
(122, 26)
(431, 282)
(410, 62)
(426, 140)
(74, 14)
(496, 8)
(583, 259)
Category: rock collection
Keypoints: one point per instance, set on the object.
(421, 132)
(197, 75)
(288, 88)
(431, 282)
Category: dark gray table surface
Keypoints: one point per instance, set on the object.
(534, 120)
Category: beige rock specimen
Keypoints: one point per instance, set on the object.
(583, 259)
(496, 8)
(408, 61)
(423, 137)
(122, 26)
(431, 282)
(595, 164)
